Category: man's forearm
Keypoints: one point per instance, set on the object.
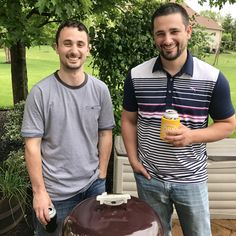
(34, 165)
(216, 131)
(41, 199)
(104, 150)
(129, 135)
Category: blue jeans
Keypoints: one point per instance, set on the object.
(190, 201)
(64, 207)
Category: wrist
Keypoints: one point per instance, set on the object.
(38, 190)
(102, 174)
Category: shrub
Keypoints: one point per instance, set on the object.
(122, 40)
(11, 137)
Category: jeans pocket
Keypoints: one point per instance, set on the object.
(138, 175)
(101, 179)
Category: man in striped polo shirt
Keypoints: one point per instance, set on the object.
(174, 171)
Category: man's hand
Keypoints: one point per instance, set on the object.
(180, 137)
(41, 203)
(139, 168)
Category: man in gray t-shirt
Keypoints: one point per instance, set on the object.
(67, 127)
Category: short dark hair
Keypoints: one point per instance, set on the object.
(71, 23)
(170, 8)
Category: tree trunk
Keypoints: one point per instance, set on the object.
(19, 72)
(7, 55)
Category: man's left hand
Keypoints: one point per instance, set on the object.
(180, 137)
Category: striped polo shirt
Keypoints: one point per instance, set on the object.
(197, 91)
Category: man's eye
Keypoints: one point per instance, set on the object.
(67, 44)
(159, 34)
(80, 44)
(175, 32)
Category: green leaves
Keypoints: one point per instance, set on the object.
(199, 42)
(14, 179)
(122, 41)
(24, 19)
(217, 3)
(12, 135)
(41, 5)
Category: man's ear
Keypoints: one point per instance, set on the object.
(189, 31)
(89, 49)
(54, 46)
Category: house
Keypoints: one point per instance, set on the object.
(212, 28)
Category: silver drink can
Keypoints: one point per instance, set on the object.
(52, 224)
(171, 114)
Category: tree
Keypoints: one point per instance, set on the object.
(199, 42)
(212, 15)
(122, 41)
(227, 24)
(23, 21)
(226, 41)
(234, 33)
(217, 3)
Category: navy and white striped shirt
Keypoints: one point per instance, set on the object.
(197, 91)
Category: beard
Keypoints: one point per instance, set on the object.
(69, 65)
(72, 67)
(171, 56)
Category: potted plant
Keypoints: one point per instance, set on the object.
(14, 180)
(14, 185)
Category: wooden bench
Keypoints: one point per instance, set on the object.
(221, 170)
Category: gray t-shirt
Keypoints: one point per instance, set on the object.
(68, 120)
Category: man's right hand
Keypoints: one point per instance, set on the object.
(139, 168)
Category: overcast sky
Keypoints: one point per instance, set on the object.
(227, 9)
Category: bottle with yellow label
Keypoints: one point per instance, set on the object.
(169, 121)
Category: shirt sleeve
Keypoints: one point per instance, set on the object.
(221, 106)
(33, 122)
(129, 99)
(106, 118)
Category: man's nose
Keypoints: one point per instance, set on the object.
(168, 39)
(74, 48)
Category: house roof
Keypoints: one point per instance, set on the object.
(201, 20)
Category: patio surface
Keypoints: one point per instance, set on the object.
(218, 227)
